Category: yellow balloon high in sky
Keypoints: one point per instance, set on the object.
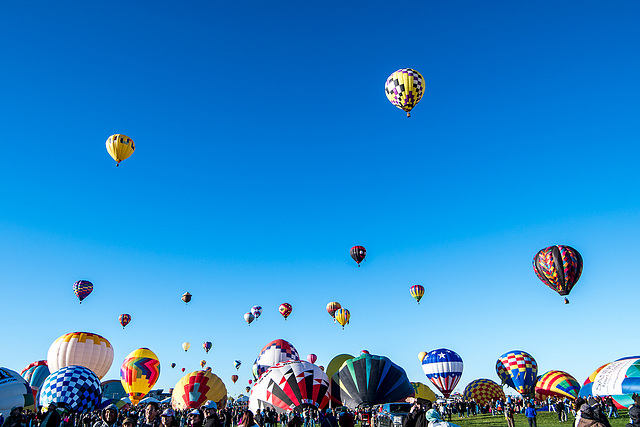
(120, 147)
(186, 346)
(139, 373)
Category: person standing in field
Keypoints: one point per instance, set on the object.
(530, 413)
(508, 414)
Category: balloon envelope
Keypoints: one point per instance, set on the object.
(358, 253)
(285, 309)
(332, 307)
(422, 391)
(417, 291)
(404, 88)
(36, 373)
(312, 358)
(186, 297)
(248, 317)
(483, 391)
(236, 364)
(559, 384)
(342, 316)
(256, 310)
(139, 373)
(186, 346)
(275, 352)
(207, 346)
(519, 370)
(75, 386)
(195, 388)
(81, 348)
(619, 379)
(443, 367)
(124, 319)
(234, 378)
(120, 147)
(14, 391)
(370, 380)
(421, 356)
(82, 289)
(336, 363)
(559, 267)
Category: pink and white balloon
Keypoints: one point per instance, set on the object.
(312, 358)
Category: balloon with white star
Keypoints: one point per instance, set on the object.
(443, 367)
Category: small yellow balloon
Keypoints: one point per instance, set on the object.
(186, 346)
(120, 147)
(422, 355)
(342, 316)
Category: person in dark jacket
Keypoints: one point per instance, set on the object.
(345, 418)
(588, 417)
(109, 417)
(51, 417)
(530, 413)
(15, 418)
(634, 415)
(329, 420)
(151, 416)
(211, 418)
(417, 413)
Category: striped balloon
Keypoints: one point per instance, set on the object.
(519, 370)
(417, 291)
(443, 367)
(124, 319)
(558, 383)
(82, 289)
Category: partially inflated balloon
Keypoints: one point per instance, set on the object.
(207, 346)
(285, 309)
(618, 379)
(336, 363)
(139, 372)
(423, 391)
(75, 386)
(81, 348)
(120, 147)
(443, 367)
(234, 378)
(331, 309)
(186, 346)
(82, 289)
(358, 253)
(343, 316)
(195, 388)
(417, 291)
(124, 319)
(519, 370)
(404, 89)
(559, 267)
(312, 358)
(559, 384)
(483, 391)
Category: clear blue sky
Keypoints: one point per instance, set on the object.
(266, 148)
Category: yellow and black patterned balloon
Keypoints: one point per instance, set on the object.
(404, 89)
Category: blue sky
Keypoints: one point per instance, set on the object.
(266, 149)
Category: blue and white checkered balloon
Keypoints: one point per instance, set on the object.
(76, 386)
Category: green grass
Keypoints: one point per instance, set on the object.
(544, 419)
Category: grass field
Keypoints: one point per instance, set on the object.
(544, 419)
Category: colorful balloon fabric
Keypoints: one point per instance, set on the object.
(36, 373)
(404, 89)
(203, 363)
(285, 309)
(332, 307)
(139, 373)
(519, 370)
(256, 310)
(76, 386)
(358, 253)
(186, 346)
(559, 267)
(234, 378)
(443, 367)
(82, 289)
(195, 388)
(483, 391)
(336, 363)
(14, 391)
(559, 384)
(186, 297)
(370, 380)
(417, 292)
(586, 389)
(292, 385)
(422, 391)
(236, 364)
(312, 358)
(254, 369)
(619, 379)
(120, 147)
(248, 317)
(124, 319)
(207, 346)
(342, 316)
(275, 352)
(81, 348)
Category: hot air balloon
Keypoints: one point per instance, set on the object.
(186, 346)
(256, 310)
(248, 317)
(196, 388)
(120, 147)
(254, 369)
(421, 356)
(75, 386)
(370, 380)
(364, 352)
(275, 352)
(291, 385)
(343, 316)
(173, 365)
(124, 319)
(186, 297)
(312, 358)
(83, 349)
(203, 363)
(336, 363)
(285, 309)
(358, 253)
(139, 372)
(248, 389)
(14, 391)
(559, 267)
(234, 378)
(483, 391)
(82, 289)
(422, 391)
(404, 89)
(236, 364)
(182, 369)
(618, 379)
(559, 384)
(519, 370)
(417, 291)
(331, 309)
(207, 346)
(443, 367)
(35, 374)
(321, 368)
